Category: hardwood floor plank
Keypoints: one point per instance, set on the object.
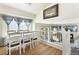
(41, 49)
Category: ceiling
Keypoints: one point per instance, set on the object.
(28, 7)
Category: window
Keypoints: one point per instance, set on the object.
(23, 26)
(13, 25)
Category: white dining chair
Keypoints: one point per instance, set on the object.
(14, 41)
(35, 39)
(26, 40)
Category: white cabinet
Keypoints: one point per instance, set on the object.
(53, 38)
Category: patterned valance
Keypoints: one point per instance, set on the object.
(7, 19)
(27, 21)
(18, 20)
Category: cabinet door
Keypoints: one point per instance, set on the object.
(46, 33)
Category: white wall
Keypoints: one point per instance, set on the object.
(3, 28)
(15, 12)
(0, 28)
(67, 11)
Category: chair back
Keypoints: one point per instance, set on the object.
(35, 34)
(15, 38)
(27, 36)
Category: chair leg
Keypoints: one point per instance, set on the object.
(20, 50)
(9, 51)
(36, 43)
(24, 49)
(33, 44)
(30, 45)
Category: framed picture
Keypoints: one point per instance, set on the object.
(50, 12)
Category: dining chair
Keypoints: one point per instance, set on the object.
(26, 40)
(14, 41)
(35, 39)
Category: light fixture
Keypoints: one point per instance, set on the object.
(29, 4)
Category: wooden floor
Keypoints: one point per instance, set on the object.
(42, 49)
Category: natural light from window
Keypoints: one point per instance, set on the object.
(13, 25)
